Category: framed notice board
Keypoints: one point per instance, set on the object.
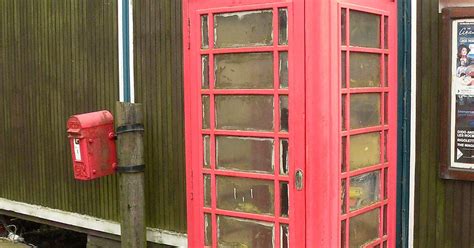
(457, 94)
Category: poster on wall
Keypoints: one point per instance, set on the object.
(462, 95)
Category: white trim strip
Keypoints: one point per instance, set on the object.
(120, 49)
(88, 222)
(130, 42)
(411, 208)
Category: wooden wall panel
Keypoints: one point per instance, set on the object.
(454, 3)
(58, 58)
(444, 209)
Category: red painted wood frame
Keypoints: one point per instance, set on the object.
(385, 205)
(193, 9)
(321, 149)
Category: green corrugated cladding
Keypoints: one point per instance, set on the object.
(444, 209)
(58, 58)
(159, 85)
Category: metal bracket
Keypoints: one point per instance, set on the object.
(131, 168)
(130, 128)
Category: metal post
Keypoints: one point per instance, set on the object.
(131, 165)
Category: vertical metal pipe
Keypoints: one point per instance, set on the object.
(125, 46)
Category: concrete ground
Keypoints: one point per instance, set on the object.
(8, 244)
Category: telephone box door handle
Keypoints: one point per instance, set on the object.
(299, 180)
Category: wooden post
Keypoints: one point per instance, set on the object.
(131, 163)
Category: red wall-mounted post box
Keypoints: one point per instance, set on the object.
(92, 141)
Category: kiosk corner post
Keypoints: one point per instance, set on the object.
(131, 166)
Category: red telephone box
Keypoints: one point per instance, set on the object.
(291, 122)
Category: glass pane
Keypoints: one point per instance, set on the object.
(343, 196)
(364, 190)
(245, 195)
(243, 29)
(207, 191)
(364, 70)
(284, 113)
(385, 183)
(343, 112)
(252, 113)
(205, 112)
(207, 230)
(385, 38)
(385, 244)
(244, 71)
(205, 71)
(364, 228)
(241, 233)
(364, 29)
(343, 70)
(365, 110)
(283, 70)
(284, 199)
(284, 236)
(385, 220)
(364, 150)
(206, 151)
(284, 157)
(343, 154)
(343, 234)
(343, 27)
(386, 70)
(244, 154)
(283, 28)
(385, 111)
(204, 32)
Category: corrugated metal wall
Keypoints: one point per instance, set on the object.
(444, 209)
(59, 57)
(159, 84)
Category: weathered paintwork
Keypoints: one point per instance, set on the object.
(92, 141)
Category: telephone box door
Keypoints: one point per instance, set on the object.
(245, 123)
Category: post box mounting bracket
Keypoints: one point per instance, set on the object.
(131, 168)
(137, 127)
(130, 128)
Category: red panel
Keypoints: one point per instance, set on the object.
(91, 137)
(322, 120)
